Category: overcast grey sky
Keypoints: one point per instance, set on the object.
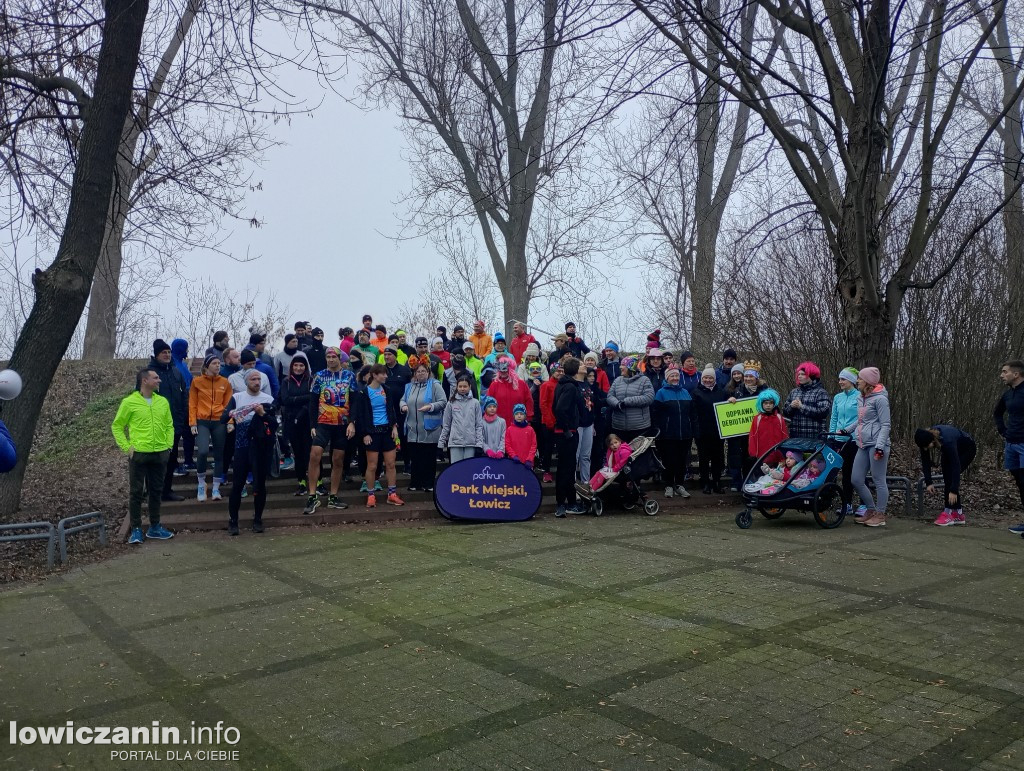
(331, 203)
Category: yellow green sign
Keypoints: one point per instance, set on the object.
(735, 419)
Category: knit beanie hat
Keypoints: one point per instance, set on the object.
(532, 350)
(421, 341)
(335, 350)
(729, 353)
(517, 409)
(486, 402)
(159, 346)
(498, 337)
(628, 364)
(590, 357)
(849, 373)
(247, 356)
(870, 375)
(209, 359)
(736, 368)
(435, 340)
(709, 371)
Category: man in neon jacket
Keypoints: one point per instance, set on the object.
(144, 429)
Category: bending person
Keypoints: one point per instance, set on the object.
(956, 451)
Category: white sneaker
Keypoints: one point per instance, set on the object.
(216, 496)
(201, 492)
(681, 492)
(669, 492)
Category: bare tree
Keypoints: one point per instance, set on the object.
(63, 288)
(496, 99)
(682, 158)
(873, 128)
(181, 167)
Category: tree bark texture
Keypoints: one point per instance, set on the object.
(63, 288)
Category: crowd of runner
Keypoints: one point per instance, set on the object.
(376, 400)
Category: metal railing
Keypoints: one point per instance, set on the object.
(48, 535)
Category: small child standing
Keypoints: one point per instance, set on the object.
(462, 426)
(494, 429)
(767, 430)
(520, 438)
(615, 458)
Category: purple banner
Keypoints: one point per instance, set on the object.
(487, 490)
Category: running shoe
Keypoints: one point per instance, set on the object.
(312, 504)
(334, 502)
(288, 464)
(394, 500)
(159, 532)
(136, 536)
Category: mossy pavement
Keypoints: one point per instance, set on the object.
(626, 642)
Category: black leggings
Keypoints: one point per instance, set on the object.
(258, 462)
(848, 452)
(301, 441)
(710, 455)
(675, 454)
(423, 459)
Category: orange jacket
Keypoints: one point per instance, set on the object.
(208, 398)
(380, 343)
(482, 344)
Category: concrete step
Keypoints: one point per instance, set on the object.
(284, 510)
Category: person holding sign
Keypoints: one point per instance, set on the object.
(709, 446)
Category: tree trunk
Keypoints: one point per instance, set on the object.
(702, 291)
(515, 290)
(1013, 221)
(63, 288)
(101, 323)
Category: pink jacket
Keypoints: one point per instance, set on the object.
(616, 460)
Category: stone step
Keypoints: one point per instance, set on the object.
(214, 515)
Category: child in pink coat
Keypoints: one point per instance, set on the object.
(615, 459)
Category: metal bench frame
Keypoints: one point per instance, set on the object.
(48, 534)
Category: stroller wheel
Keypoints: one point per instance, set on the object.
(651, 506)
(597, 506)
(824, 502)
(744, 519)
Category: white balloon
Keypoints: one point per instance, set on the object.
(10, 384)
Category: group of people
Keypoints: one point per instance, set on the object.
(376, 399)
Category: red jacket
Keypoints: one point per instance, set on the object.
(518, 346)
(346, 345)
(547, 402)
(521, 443)
(765, 432)
(510, 393)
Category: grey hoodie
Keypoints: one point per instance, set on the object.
(463, 424)
(873, 422)
(630, 402)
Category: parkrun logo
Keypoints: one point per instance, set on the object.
(486, 474)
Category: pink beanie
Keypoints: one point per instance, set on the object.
(870, 375)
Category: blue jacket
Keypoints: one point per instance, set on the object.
(266, 369)
(675, 413)
(8, 454)
(844, 414)
(723, 376)
(690, 382)
(179, 355)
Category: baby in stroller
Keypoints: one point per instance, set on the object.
(774, 478)
(616, 456)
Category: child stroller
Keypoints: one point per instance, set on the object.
(643, 463)
(817, 493)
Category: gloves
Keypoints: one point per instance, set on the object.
(494, 454)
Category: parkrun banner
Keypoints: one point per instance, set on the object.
(487, 490)
(735, 419)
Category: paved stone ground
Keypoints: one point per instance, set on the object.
(625, 642)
